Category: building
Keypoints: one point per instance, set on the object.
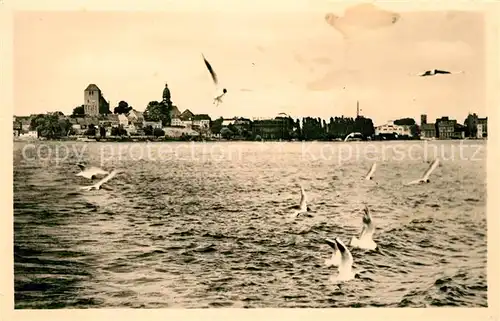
(122, 120)
(484, 126)
(135, 116)
(174, 112)
(277, 128)
(111, 120)
(201, 121)
(176, 122)
(187, 114)
(93, 100)
(423, 119)
(153, 124)
(391, 128)
(428, 131)
(479, 133)
(446, 128)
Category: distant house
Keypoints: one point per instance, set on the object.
(135, 116)
(187, 114)
(391, 128)
(153, 124)
(123, 120)
(174, 112)
(277, 128)
(428, 131)
(484, 126)
(30, 134)
(480, 131)
(111, 120)
(227, 122)
(445, 127)
(201, 120)
(177, 122)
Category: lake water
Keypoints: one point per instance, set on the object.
(194, 225)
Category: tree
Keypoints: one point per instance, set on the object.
(405, 121)
(122, 108)
(103, 106)
(156, 111)
(226, 133)
(157, 132)
(50, 126)
(78, 111)
(148, 130)
(216, 125)
(91, 131)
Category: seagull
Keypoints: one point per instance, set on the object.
(434, 72)
(345, 267)
(365, 240)
(336, 256)
(218, 94)
(425, 178)
(98, 185)
(90, 172)
(370, 173)
(302, 208)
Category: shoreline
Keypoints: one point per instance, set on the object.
(169, 140)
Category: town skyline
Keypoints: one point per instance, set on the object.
(275, 70)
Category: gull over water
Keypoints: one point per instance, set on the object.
(428, 172)
(365, 240)
(218, 92)
(90, 172)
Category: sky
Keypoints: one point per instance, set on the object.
(294, 61)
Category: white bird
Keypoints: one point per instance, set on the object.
(345, 267)
(90, 172)
(365, 240)
(218, 93)
(434, 72)
(98, 185)
(370, 173)
(425, 178)
(302, 208)
(336, 256)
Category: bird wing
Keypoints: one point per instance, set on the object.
(417, 181)
(332, 244)
(370, 171)
(303, 199)
(82, 167)
(431, 168)
(438, 71)
(107, 178)
(345, 253)
(367, 222)
(211, 70)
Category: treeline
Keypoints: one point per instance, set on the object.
(287, 128)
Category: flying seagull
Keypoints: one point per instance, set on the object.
(302, 208)
(98, 185)
(365, 240)
(336, 256)
(90, 172)
(425, 178)
(345, 267)
(434, 72)
(219, 94)
(370, 173)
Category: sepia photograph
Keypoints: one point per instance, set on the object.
(317, 155)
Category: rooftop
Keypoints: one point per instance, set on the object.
(92, 87)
